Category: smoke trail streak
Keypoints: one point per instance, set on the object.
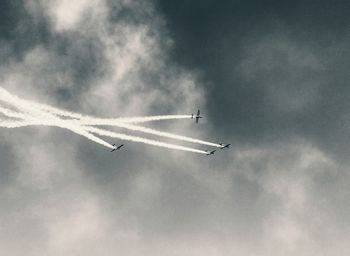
(39, 114)
(110, 121)
(121, 122)
(10, 98)
(154, 132)
(141, 140)
(82, 132)
(137, 128)
(106, 133)
(18, 124)
(134, 119)
(51, 120)
(88, 119)
(10, 113)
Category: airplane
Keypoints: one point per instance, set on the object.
(210, 152)
(224, 145)
(197, 116)
(116, 148)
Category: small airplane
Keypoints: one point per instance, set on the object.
(116, 148)
(197, 116)
(224, 145)
(210, 152)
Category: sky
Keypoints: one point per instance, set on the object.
(270, 77)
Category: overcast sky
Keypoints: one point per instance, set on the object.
(271, 77)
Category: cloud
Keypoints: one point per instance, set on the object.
(64, 16)
(93, 65)
(273, 71)
(288, 74)
(281, 190)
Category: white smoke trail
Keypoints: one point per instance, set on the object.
(18, 124)
(122, 122)
(65, 124)
(111, 121)
(103, 121)
(152, 131)
(10, 98)
(9, 113)
(141, 140)
(89, 119)
(73, 128)
(49, 119)
(40, 114)
(107, 133)
(131, 127)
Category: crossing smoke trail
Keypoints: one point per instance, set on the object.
(106, 133)
(40, 114)
(110, 121)
(122, 122)
(50, 120)
(39, 106)
(9, 113)
(154, 132)
(141, 140)
(103, 121)
(58, 123)
(77, 130)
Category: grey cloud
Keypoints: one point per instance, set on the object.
(273, 70)
(262, 75)
(19, 31)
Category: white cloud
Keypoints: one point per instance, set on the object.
(66, 15)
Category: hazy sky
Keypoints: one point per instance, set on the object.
(271, 77)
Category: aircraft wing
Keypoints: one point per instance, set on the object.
(197, 118)
(198, 112)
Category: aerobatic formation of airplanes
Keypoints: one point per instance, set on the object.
(197, 117)
(16, 112)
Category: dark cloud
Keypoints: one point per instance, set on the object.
(19, 31)
(272, 69)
